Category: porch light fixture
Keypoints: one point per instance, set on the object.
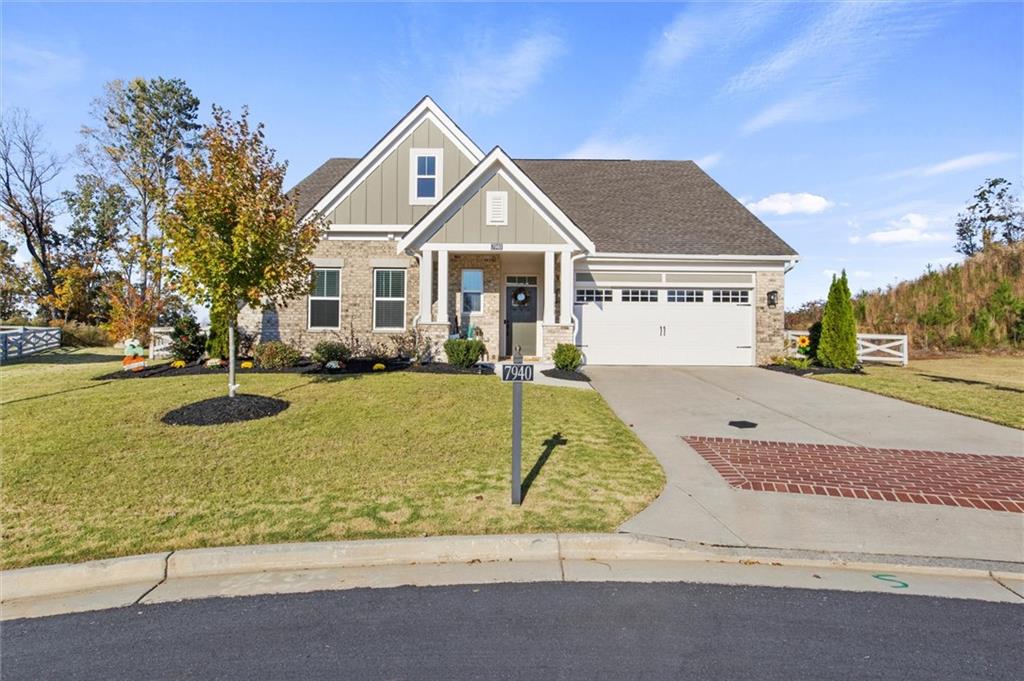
(773, 298)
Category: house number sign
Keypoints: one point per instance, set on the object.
(517, 373)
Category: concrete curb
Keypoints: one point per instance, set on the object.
(151, 570)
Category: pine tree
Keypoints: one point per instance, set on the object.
(838, 345)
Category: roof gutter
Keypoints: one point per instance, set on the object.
(684, 256)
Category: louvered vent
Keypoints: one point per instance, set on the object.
(497, 208)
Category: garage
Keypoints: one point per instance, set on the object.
(665, 325)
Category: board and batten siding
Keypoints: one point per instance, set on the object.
(469, 224)
(383, 197)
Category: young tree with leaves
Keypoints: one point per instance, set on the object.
(837, 346)
(233, 231)
(994, 215)
(28, 204)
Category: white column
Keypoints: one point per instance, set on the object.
(568, 284)
(442, 287)
(426, 286)
(549, 287)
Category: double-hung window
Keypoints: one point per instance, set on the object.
(425, 175)
(472, 291)
(325, 299)
(389, 300)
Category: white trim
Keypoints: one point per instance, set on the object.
(496, 208)
(442, 286)
(549, 286)
(567, 283)
(462, 292)
(425, 109)
(426, 294)
(683, 256)
(505, 248)
(367, 229)
(495, 162)
(414, 154)
(404, 299)
(310, 298)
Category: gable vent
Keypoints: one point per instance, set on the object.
(497, 208)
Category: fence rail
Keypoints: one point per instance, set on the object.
(871, 347)
(18, 341)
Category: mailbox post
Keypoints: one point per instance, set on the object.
(517, 373)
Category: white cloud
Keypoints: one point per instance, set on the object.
(600, 147)
(785, 203)
(487, 79)
(953, 165)
(40, 69)
(911, 228)
(710, 161)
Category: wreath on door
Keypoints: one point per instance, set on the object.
(521, 297)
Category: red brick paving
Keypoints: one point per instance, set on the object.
(993, 483)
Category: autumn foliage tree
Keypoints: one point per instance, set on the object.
(233, 232)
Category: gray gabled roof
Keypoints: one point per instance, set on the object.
(670, 207)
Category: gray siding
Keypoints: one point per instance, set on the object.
(469, 224)
(383, 197)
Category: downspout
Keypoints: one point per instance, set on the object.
(572, 308)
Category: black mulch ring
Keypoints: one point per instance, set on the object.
(442, 368)
(812, 370)
(564, 375)
(219, 410)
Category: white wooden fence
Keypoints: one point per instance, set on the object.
(18, 341)
(871, 347)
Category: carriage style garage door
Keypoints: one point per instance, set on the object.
(680, 326)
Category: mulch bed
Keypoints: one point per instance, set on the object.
(811, 370)
(353, 366)
(220, 410)
(563, 375)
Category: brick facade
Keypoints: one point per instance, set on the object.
(770, 321)
(489, 320)
(555, 334)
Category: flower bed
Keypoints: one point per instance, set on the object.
(353, 366)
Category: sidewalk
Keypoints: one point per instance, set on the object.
(666, 404)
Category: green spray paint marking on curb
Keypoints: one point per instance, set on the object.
(896, 583)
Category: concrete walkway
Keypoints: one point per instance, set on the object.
(662, 404)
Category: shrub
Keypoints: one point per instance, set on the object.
(798, 362)
(463, 352)
(567, 357)
(84, 336)
(814, 335)
(187, 340)
(276, 355)
(414, 346)
(331, 351)
(838, 345)
(217, 341)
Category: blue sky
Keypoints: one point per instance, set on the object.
(856, 131)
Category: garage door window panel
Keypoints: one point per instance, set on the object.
(678, 295)
(740, 296)
(593, 295)
(640, 295)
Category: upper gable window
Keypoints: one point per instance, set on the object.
(426, 168)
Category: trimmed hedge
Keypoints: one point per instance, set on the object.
(464, 352)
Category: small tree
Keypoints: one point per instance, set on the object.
(187, 339)
(994, 215)
(838, 344)
(233, 231)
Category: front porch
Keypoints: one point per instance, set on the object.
(506, 295)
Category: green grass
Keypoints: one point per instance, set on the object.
(989, 388)
(89, 471)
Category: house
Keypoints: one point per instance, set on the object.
(637, 262)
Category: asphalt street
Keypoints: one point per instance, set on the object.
(529, 631)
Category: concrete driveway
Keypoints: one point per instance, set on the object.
(663, 404)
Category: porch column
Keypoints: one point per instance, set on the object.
(565, 316)
(426, 286)
(442, 286)
(549, 287)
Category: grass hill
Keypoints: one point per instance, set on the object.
(976, 305)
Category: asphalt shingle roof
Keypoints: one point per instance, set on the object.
(626, 206)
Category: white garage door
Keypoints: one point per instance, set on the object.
(692, 326)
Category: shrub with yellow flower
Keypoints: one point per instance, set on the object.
(246, 364)
(178, 364)
(379, 367)
(803, 345)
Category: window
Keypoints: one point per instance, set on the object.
(497, 208)
(521, 279)
(685, 295)
(325, 300)
(425, 175)
(472, 291)
(389, 300)
(593, 295)
(730, 296)
(639, 295)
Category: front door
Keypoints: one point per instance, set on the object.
(521, 319)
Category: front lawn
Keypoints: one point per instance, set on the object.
(989, 388)
(89, 471)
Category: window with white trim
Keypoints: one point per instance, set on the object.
(497, 208)
(325, 299)
(389, 300)
(593, 295)
(425, 175)
(472, 291)
(730, 295)
(639, 295)
(521, 279)
(685, 295)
